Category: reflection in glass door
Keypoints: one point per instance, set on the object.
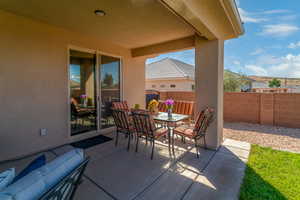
(83, 97)
(110, 88)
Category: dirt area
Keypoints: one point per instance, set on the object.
(270, 136)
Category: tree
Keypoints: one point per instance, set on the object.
(274, 83)
(231, 83)
(235, 82)
(108, 80)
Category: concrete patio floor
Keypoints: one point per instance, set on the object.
(114, 173)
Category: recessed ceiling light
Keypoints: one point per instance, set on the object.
(99, 12)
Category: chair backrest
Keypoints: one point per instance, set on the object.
(143, 123)
(184, 107)
(180, 107)
(162, 106)
(122, 105)
(74, 110)
(121, 118)
(203, 120)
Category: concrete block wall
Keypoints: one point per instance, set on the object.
(267, 108)
(242, 107)
(279, 109)
(287, 110)
(178, 95)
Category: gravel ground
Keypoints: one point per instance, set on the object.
(281, 138)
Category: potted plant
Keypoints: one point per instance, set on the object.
(169, 103)
(153, 106)
(83, 98)
(136, 106)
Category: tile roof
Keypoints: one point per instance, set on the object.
(169, 68)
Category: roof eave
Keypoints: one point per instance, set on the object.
(233, 15)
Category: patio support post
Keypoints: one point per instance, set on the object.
(209, 85)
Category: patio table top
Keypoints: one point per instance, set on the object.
(163, 116)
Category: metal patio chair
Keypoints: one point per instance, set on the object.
(145, 126)
(123, 124)
(198, 130)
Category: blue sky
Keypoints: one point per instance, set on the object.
(270, 45)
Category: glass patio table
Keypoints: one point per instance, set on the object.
(163, 117)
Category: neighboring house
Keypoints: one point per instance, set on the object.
(259, 83)
(170, 75)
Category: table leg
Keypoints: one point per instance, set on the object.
(169, 137)
(173, 143)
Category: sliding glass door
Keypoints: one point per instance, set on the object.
(110, 87)
(83, 97)
(92, 91)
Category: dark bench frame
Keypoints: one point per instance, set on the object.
(66, 188)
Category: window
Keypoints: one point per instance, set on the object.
(172, 86)
(153, 86)
(193, 86)
(162, 86)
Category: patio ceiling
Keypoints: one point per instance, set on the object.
(128, 23)
(145, 26)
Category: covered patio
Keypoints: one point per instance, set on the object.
(114, 173)
(56, 53)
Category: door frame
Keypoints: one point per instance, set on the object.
(98, 54)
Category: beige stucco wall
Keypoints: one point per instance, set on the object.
(134, 81)
(181, 85)
(34, 83)
(209, 56)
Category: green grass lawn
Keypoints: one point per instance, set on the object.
(271, 175)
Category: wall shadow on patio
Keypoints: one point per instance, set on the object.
(222, 177)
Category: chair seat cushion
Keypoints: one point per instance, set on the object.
(187, 131)
(160, 132)
(6, 178)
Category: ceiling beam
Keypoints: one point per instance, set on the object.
(165, 47)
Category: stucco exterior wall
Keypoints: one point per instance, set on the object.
(34, 83)
(181, 85)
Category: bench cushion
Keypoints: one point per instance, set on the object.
(39, 181)
(57, 169)
(6, 178)
(35, 164)
(29, 187)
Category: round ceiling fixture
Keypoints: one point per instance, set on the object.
(99, 13)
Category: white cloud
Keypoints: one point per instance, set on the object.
(294, 45)
(279, 30)
(289, 67)
(256, 70)
(248, 17)
(267, 59)
(267, 15)
(276, 11)
(267, 65)
(236, 62)
(257, 51)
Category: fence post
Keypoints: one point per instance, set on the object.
(267, 108)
